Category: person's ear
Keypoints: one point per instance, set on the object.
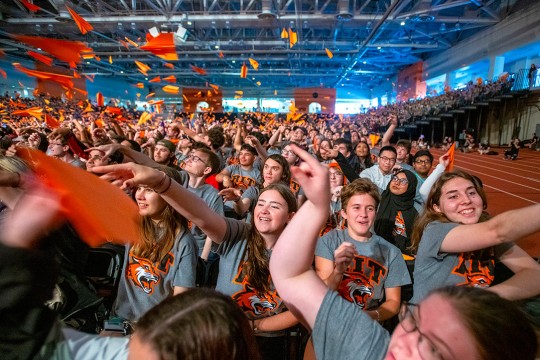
(207, 170)
(437, 208)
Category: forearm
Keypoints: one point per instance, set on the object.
(522, 285)
(385, 311)
(277, 322)
(276, 137)
(192, 207)
(333, 280)
(515, 224)
(431, 179)
(388, 135)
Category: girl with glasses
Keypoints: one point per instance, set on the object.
(396, 214)
(456, 323)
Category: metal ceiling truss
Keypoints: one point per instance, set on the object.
(371, 40)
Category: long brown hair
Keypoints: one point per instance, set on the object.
(429, 214)
(157, 238)
(257, 261)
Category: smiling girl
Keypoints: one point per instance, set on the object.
(162, 261)
(456, 244)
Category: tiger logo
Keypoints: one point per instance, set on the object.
(478, 280)
(356, 289)
(143, 274)
(254, 305)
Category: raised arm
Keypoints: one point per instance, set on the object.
(444, 160)
(290, 264)
(182, 200)
(503, 228)
(390, 131)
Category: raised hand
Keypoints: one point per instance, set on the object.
(313, 177)
(343, 256)
(129, 175)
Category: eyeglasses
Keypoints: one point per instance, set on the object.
(196, 159)
(287, 152)
(426, 348)
(55, 144)
(335, 174)
(386, 159)
(399, 181)
(423, 162)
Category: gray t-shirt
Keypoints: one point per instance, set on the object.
(233, 280)
(378, 265)
(211, 197)
(434, 269)
(343, 331)
(145, 284)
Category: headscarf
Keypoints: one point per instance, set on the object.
(389, 206)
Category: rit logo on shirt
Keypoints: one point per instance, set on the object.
(475, 272)
(252, 302)
(360, 279)
(242, 182)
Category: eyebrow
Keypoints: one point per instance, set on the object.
(455, 191)
(271, 202)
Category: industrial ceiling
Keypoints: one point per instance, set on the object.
(370, 40)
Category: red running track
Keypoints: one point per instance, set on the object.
(508, 184)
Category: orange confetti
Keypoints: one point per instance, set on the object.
(155, 80)
(162, 46)
(44, 59)
(51, 122)
(83, 25)
(185, 97)
(329, 53)
(197, 95)
(131, 41)
(100, 100)
(221, 55)
(144, 118)
(198, 70)
(170, 89)
(84, 209)
(90, 77)
(65, 50)
(3, 73)
(171, 78)
(110, 59)
(284, 34)
(76, 75)
(239, 92)
(215, 87)
(150, 95)
(64, 80)
(139, 85)
(254, 63)
(143, 68)
(169, 65)
(451, 158)
(30, 6)
(243, 71)
(293, 38)
(209, 93)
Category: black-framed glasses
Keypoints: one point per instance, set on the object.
(400, 181)
(196, 159)
(426, 348)
(423, 162)
(387, 159)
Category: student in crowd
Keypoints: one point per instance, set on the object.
(363, 152)
(396, 213)
(456, 243)
(363, 267)
(244, 249)
(275, 170)
(161, 262)
(512, 154)
(381, 173)
(455, 322)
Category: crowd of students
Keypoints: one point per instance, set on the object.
(264, 199)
